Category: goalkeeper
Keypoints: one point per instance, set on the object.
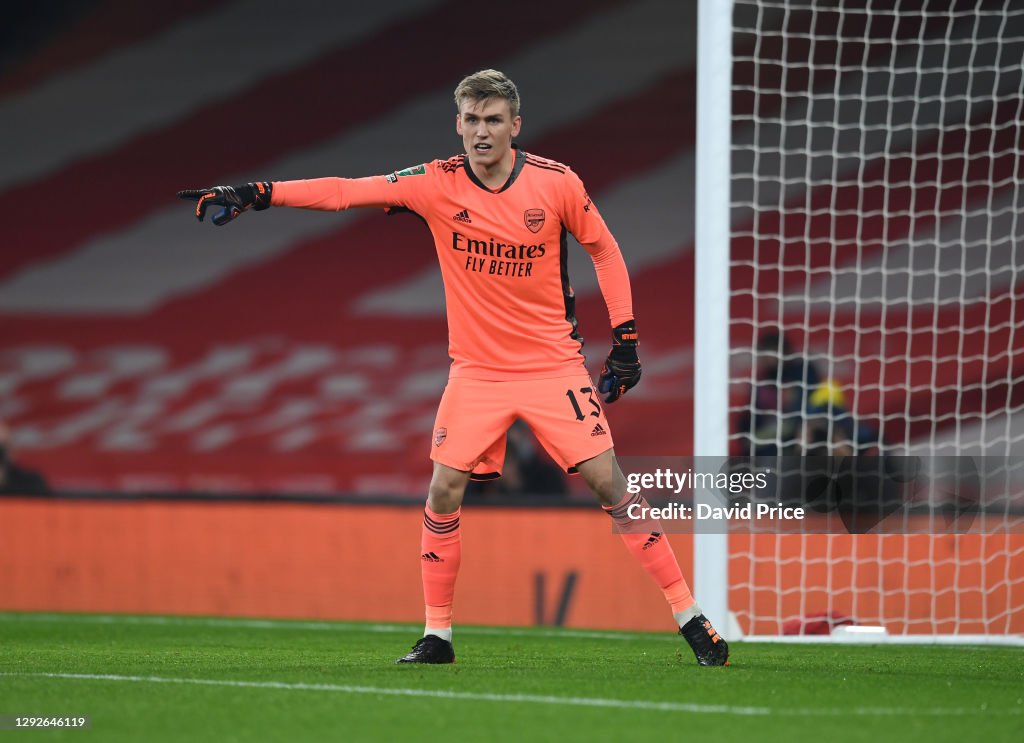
(499, 218)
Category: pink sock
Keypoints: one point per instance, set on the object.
(646, 541)
(441, 548)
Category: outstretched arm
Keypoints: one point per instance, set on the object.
(328, 194)
(335, 194)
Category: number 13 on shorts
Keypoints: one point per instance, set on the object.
(589, 392)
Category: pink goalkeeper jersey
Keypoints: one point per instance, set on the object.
(502, 253)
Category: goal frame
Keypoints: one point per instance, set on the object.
(712, 324)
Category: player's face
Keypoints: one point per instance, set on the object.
(487, 129)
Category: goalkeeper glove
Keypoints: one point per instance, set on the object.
(234, 199)
(621, 370)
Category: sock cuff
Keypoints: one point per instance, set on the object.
(620, 509)
(442, 517)
(441, 524)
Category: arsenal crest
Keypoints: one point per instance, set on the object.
(534, 219)
(440, 435)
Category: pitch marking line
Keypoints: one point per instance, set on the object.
(639, 704)
(329, 626)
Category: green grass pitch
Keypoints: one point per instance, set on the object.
(164, 679)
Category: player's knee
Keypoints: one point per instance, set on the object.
(445, 492)
(605, 490)
(443, 500)
(602, 485)
(604, 478)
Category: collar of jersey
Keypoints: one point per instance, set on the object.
(517, 168)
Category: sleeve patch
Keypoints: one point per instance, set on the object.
(416, 170)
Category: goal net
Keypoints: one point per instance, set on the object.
(877, 301)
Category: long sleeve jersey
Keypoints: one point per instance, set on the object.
(503, 257)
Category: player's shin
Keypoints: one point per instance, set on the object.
(441, 553)
(646, 541)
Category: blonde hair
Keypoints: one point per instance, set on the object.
(488, 84)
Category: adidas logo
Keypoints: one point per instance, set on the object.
(599, 431)
(463, 216)
(652, 540)
(430, 557)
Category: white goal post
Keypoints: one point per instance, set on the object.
(859, 290)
